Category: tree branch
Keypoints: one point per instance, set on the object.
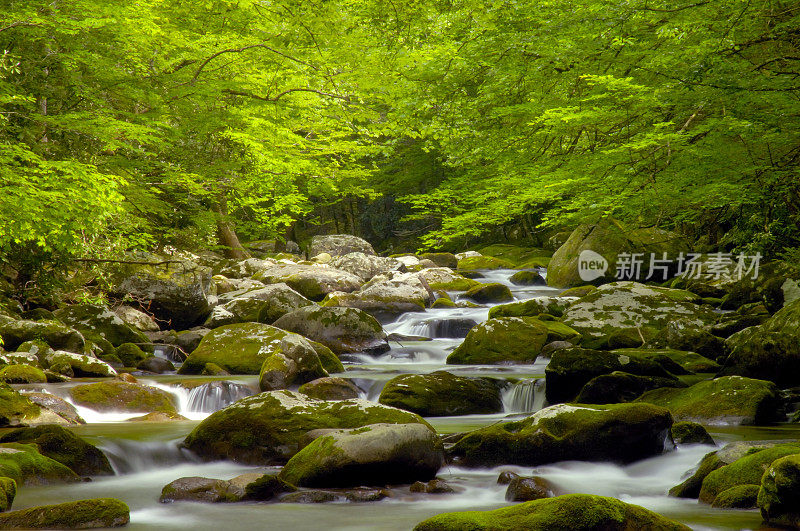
(284, 93)
(244, 49)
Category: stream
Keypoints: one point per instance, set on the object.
(146, 456)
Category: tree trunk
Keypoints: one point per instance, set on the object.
(226, 235)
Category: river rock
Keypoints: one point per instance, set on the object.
(246, 268)
(619, 432)
(264, 305)
(155, 365)
(175, 292)
(386, 294)
(339, 245)
(676, 336)
(8, 491)
(779, 492)
(22, 374)
(54, 333)
(621, 386)
(366, 266)
(726, 400)
(357, 495)
(136, 318)
(489, 293)
(122, 396)
(444, 279)
(747, 470)
(243, 348)
(473, 263)
(295, 361)
(313, 281)
(576, 512)
(609, 238)
(503, 340)
(330, 388)
(342, 330)
(60, 444)
(376, 454)
(554, 306)
(686, 432)
(131, 354)
(527, 278)
(57, 405)
(441, 394)
(674, 361)
(79, 365)
(522, 489)
(83, 514)
(434, 486)
(94, 321)
(24, 464)
(199, 489)
(16, 409)
(571, 369)
(625, 305)
(268, 428)
(441, 259)
(767, 352)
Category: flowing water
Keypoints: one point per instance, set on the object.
(147, 456)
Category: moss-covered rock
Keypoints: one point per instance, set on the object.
(677, 336)
(24, 464)
(292, 360)
(503, 340)
(22, 374)
(489, 293)
(685, 432)
(267, 487)
(578, 291)
(527, 278)
(623, 305)
(483, 262)
(8, 491)
(554, 306)
(738, 497)
(729, 400)
(131, 355)
(376, 454)
(263, 305)
(95, 321)
(442, 278)
(443, 302)
(556, 330)
(61, 445)
(621, 386)
(746, 470)
(330, 389)
(58, 406)
(441, 259)
(340, 329)
(330, 362)
(521, 489)
(442, 394)
(83, 514)
(36, 347)
(268, 428)
(122, 396)
(339, 245)
(779, 492)
(79, 365)
(518, 255)
(311, 281)
(767, 352)
(386, 294)
(15, 409)
(571, 369)
(198, 489)
(571, 511)
(675, 361)
(56, 334)
(620, 432)
(366, 266)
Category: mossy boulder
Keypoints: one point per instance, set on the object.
(8, 491)
(263, 305)
(521, 489)
(728, 400)
(444, 279)
(79, 365)
(386, 294)
(556, 330)
(376, 454)
(577, 291)
(608, 238)
(24, 464)
(779, 492)
(330, 389)
(490, 293)
(518, 255)
(61, 445)
(623, 305)
(95, 321)
(342, 330)
(123, 396)
(84, 514)
(503, 340)
(22, 374)
(619, 432)
(473, 263)
(16, 409)
(199, 489)
(554, 306)
(312, 281)
(621, 386)
(747, 470)
(767, 352)
(242, 348)
(738, 497)
(686, 432)
(36, 347)
(441, 259)
(571, 511)
(65, 411)
(443, 302)
(441, 393)
(571, 369)
(675, 361)
(293, 361)
(677, 336)
(366, 266)
(527, 278)
(131, 355)
(268, 428)
(339, 245)
(56, 334)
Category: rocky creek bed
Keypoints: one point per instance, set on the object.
(361, 392)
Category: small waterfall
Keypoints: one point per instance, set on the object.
(447, 328)
(525, 396)
(213, 396)
(128, 456)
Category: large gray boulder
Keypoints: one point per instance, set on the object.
(366, 266)
(339, 245)
(56, 334)
(376, 454)
(313, 281)
(263, 305)
(342, 330)
(387, 293)
(96, 321)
